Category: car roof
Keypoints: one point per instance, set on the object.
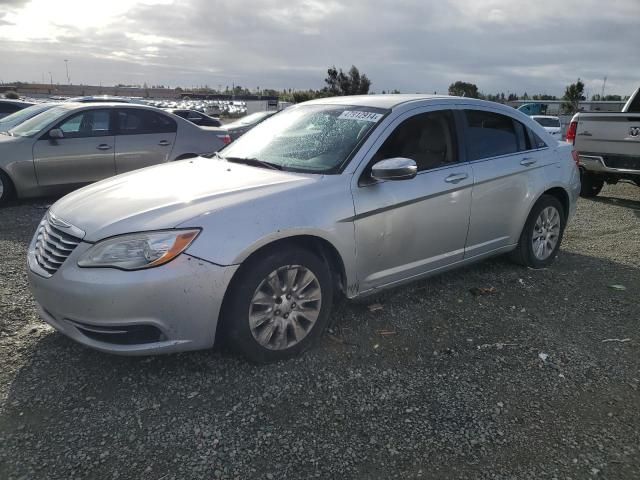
(546, 116)
(15, 102)
(78, 105)
(99, 99)
(382, 101)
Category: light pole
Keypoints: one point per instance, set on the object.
(66, 65)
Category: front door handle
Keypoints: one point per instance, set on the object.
(104, 146)
(456, 177)
(164, 143)
(527, 162)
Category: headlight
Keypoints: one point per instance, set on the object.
(138, 250)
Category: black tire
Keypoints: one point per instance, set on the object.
(590, 184)
(524, 254)
(6, 187)
(236, 308)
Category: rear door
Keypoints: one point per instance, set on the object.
(144, 137)
(409, 227)
(507, 160)
(84, 155)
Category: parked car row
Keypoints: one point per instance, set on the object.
(337, 196)
(209, 107)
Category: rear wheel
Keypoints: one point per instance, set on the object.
(590, 184)
(278, 304)
(6, 188)
(542, 234)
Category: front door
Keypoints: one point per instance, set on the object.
(143, 138)
(85, 154)
(406, 228)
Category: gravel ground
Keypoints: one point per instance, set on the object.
(438, 383)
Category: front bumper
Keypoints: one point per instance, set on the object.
(171, 308)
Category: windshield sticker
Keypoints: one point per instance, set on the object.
(356, 115)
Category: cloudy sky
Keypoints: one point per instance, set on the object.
(412, 45)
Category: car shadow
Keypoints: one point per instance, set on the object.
(619, 202)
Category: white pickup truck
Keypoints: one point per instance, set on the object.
(608, 145)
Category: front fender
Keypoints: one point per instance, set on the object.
(322, 210)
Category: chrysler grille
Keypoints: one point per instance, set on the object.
(53, 246)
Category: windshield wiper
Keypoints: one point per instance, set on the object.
(253, 162)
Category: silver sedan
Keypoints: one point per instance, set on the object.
(339, 196)
(72, 144)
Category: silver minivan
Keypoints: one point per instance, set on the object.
(337, 196)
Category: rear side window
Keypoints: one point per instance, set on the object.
(88, 123)
(490, 134)
(536, 141)
(426, 138)
(547, 122)
(131, 121)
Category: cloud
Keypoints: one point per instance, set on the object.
(412, 45)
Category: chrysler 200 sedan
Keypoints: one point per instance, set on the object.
(335, 196)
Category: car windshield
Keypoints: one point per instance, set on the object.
(307, 138)
(547, 122)
(33, 126)
(24, 114)
(253, 118)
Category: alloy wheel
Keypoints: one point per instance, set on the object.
(285, 306)
(546, 233)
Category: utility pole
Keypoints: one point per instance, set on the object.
(604, 83)
(66, 65)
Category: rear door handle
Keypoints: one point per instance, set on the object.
(527, 162)
(164, 143)
(104, 146)
(456, 177)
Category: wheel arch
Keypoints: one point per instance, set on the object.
(318, 245)
(563, 197)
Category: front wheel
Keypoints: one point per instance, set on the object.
(6, 187)
(542, 234)
(278, 304)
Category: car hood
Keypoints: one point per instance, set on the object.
(168, 195)
(6, 139)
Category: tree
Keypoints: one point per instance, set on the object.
(463, 89)
(351, 83)
(573, 95)
(13, 95)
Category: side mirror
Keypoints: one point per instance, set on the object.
(398, 168)
(56, 133)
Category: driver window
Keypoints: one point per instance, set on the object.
(427, 138)
(88, 123)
